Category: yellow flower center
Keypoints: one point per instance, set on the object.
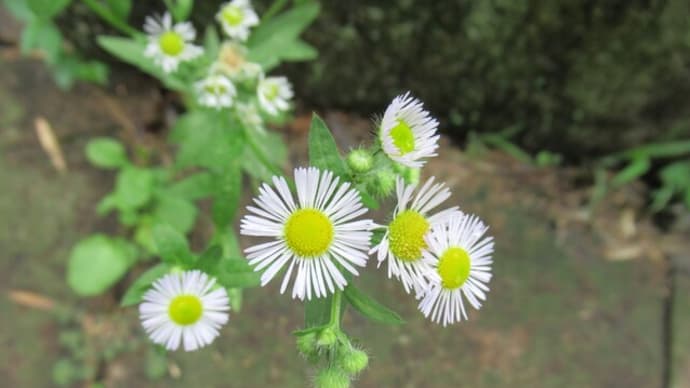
(171, 43)
(308, 232)
(216, 88)
(403, 137)
(271, 91)
(185, 309)
(232, 15)
(454, 267)
(406, 234)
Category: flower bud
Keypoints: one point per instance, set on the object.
(360, 161)
(332, 378)
(382, 183)
(354, 361)
(306, 344)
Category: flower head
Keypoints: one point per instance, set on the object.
(232, 61)
(215, 91)
(404, 241)
(317, 235)
(184, 308)
(237, 17)
(408, 132)
(461, 261)
(274, 94)
(170, 44)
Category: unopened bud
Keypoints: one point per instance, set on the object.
(360, 161)
(354, 361)
(332, 378)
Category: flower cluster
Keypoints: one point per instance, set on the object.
(320, 237)
(441, 255)
(231, 81)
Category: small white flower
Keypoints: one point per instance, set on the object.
(216, 91)
(315, 234)
(184, 308)
(236, 18)
(274, 94)
(461, 262)
(403, 243)
(170, 44)
(408, 132)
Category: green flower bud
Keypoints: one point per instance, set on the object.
(327, 338)
(360, 161)
(354, 361)
(306, 344)
(332, 378)
(382, 183)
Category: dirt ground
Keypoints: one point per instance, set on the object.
(579, 298)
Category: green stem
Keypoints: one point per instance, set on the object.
(106, 15)
(335, 309)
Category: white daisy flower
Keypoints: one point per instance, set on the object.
(408, 132)
(461, 260)
(184, 308)
(274, 94)
(170, 44)
(403, 243)
(317, 234)
(237, 17)
(216, 91)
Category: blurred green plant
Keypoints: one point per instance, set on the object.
(158, 204)
(41, 35)
(669, 162)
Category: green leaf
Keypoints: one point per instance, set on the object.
(132, 52)
(208, 138)
(266, 153)
(19, 9)
(42, 35)
(637, 167)
(676, 175)
(98, 262)
(120, 8)
(227, 196)
(209, 260)
(211, 42)
(661, 198)
(172, 245)
(143, 283)
(181, 9)
(176, 212)
(133, 188)
(277, 39)
(106, 205)
(236, 273)
(371, 308)
(323, 151)
(298, 50)
(106, 153)
(47, 9)
(192, 187)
